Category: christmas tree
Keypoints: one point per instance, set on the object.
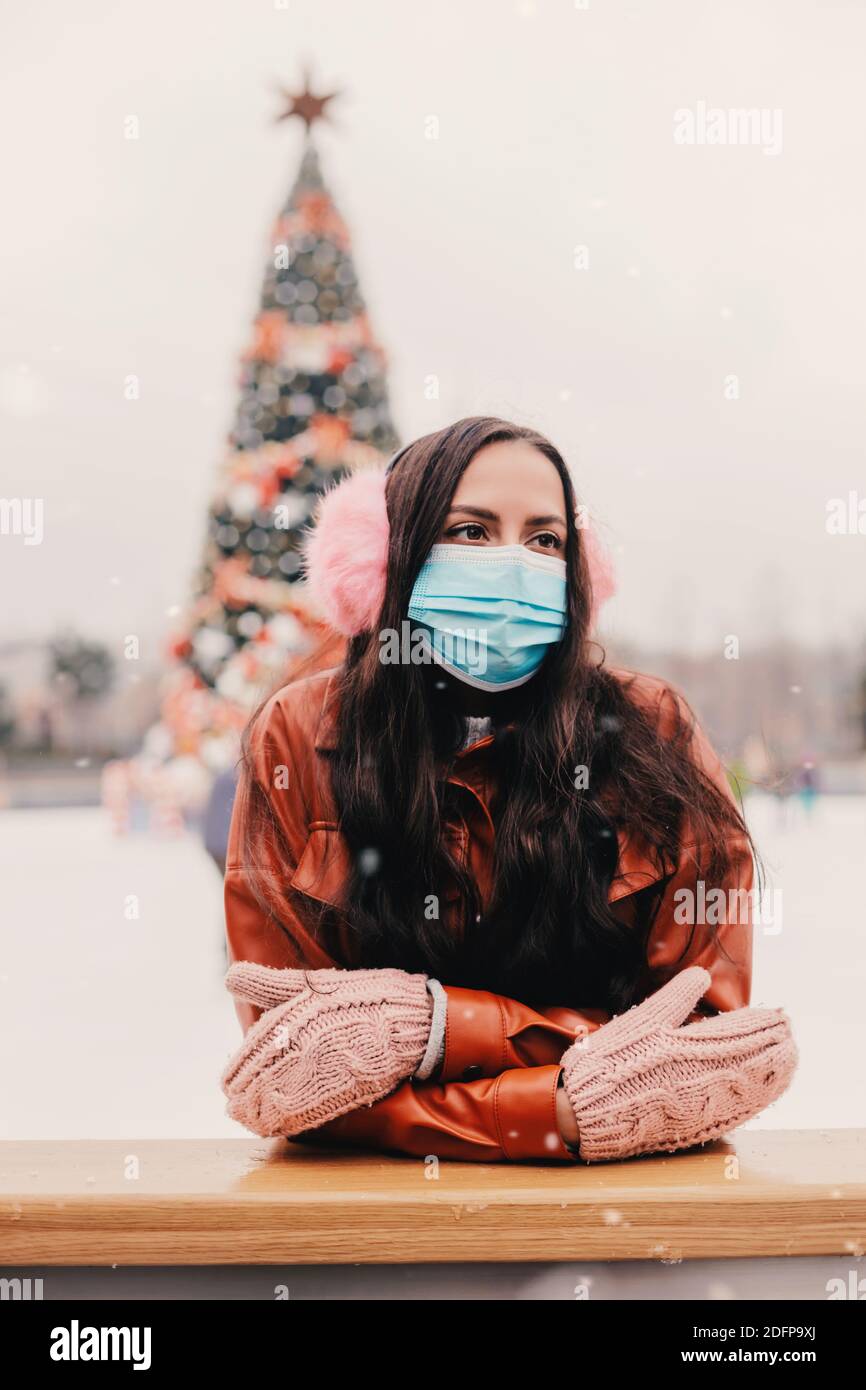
(313, 405)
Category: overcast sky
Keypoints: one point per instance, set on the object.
(556, 131)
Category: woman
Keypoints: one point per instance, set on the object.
(486, 897)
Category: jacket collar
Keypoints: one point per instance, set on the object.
(328, 728)
(327, 732)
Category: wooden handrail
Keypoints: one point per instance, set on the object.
(200, 1202)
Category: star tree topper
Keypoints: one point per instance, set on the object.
(306, 105)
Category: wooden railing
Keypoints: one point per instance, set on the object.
(196, 1202)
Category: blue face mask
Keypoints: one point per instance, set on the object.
(489, 613)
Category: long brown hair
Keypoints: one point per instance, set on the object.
(549, 934)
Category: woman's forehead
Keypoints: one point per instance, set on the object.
(513, 471)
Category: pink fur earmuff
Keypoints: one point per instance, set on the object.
(346, 554)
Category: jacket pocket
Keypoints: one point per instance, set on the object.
(324, 869)
(635, 868)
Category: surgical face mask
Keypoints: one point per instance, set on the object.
(489, 613)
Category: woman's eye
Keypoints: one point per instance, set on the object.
(548, 540)
(469, 530)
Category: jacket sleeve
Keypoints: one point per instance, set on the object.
(499, 1119)
(505, 1054)
(703, 923)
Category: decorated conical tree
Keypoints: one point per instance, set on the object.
(313, 405)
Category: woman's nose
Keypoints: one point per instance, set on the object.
(511, 535)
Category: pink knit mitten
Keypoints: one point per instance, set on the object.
(642, 1083)
(329, 1042)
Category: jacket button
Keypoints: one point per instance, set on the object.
(472, 1073)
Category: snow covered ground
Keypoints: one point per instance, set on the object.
(115, 1025)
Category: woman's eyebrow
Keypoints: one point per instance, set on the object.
(477, 511)
(493, 516)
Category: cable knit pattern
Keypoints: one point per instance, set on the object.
(643, 1084)
(328, 1042)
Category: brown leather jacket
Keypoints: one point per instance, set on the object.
(494, 1096)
